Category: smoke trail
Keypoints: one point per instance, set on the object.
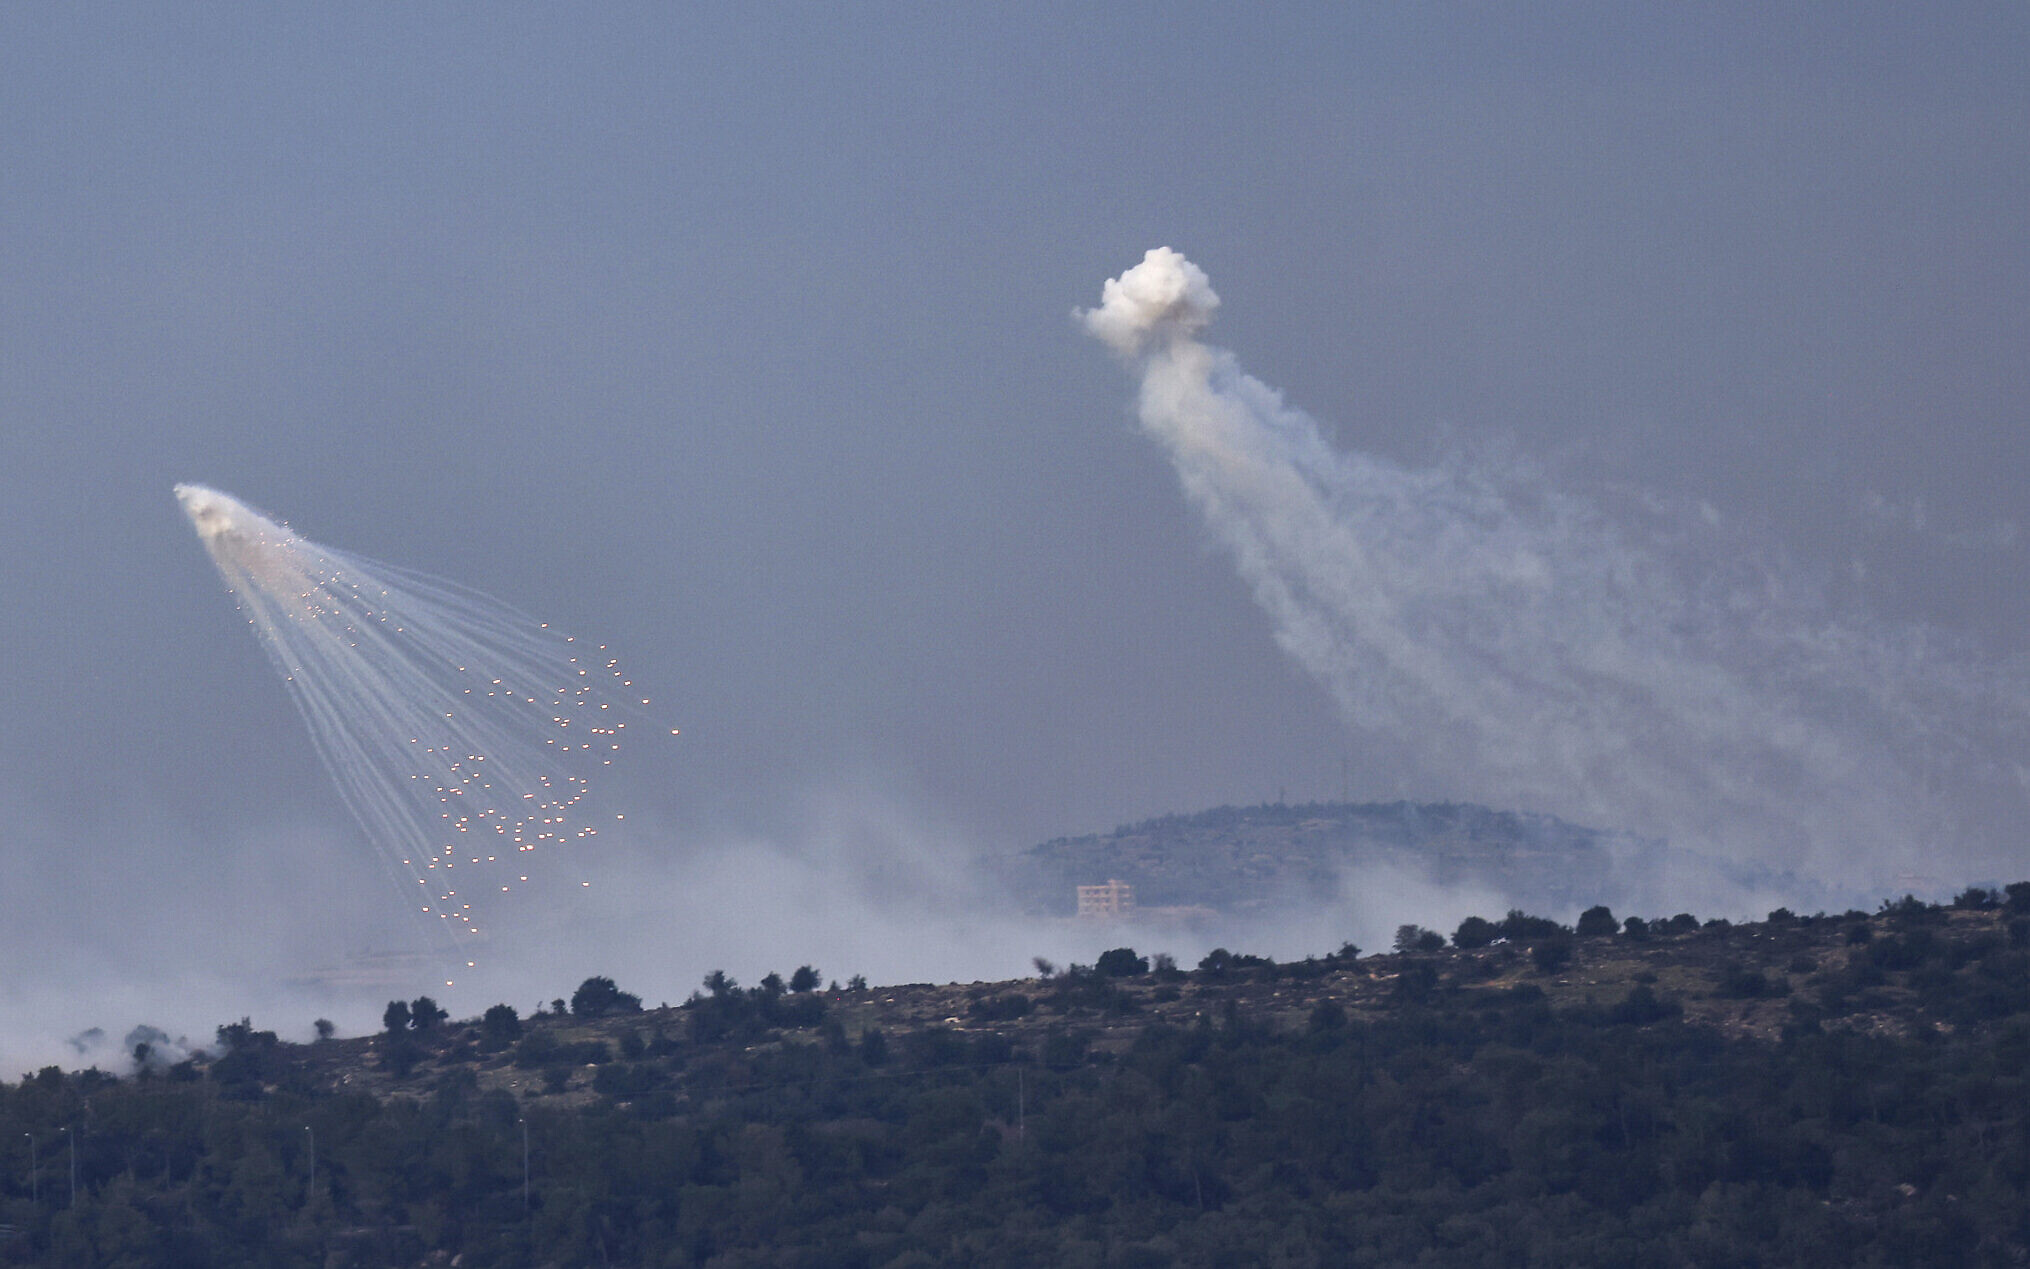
(1631, 662)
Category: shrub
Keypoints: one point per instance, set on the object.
(1911, 910)
(1121, 962)
(1520, 927)
(598, 997)
(1738, 982)
(797, 1011)
(1062, 1050)
(1475, 932)
(1905, 951)
(1643, 1006)
(499, 1027)
(873, 1047)
(426, 1014)
(1597, 922)
(1552, 954)
(626, 1079)
(1415, 938)
(935, 1046)
(399, 1055)
(1219, 961)
(1002, 1008)
(1416, 984)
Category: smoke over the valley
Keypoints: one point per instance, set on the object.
(859, 880)
(1609, 655)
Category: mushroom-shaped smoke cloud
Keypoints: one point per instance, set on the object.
(1164, 294)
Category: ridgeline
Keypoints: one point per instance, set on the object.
(1259, 861)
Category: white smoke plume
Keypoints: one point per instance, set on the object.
(1616, 658)
(1165, 293)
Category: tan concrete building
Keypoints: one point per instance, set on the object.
(1110, 901)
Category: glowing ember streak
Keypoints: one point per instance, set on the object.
(374, 655)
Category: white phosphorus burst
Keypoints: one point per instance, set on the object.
(1608, 654)
(461, 733)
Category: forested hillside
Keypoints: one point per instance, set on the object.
(1807, 1090)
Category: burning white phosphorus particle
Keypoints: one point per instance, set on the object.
(461, 733)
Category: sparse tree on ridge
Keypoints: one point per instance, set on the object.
(1121, 962)
(1597, 922)
(598, 997)
(1415, 938)
(500, 1025)
(1475, 932)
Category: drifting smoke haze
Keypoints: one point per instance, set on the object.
(1615, 658)
(736, 339)
(861, 881)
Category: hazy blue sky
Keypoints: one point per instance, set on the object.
(740, 336)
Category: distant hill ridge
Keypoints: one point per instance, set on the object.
(1241, 859)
